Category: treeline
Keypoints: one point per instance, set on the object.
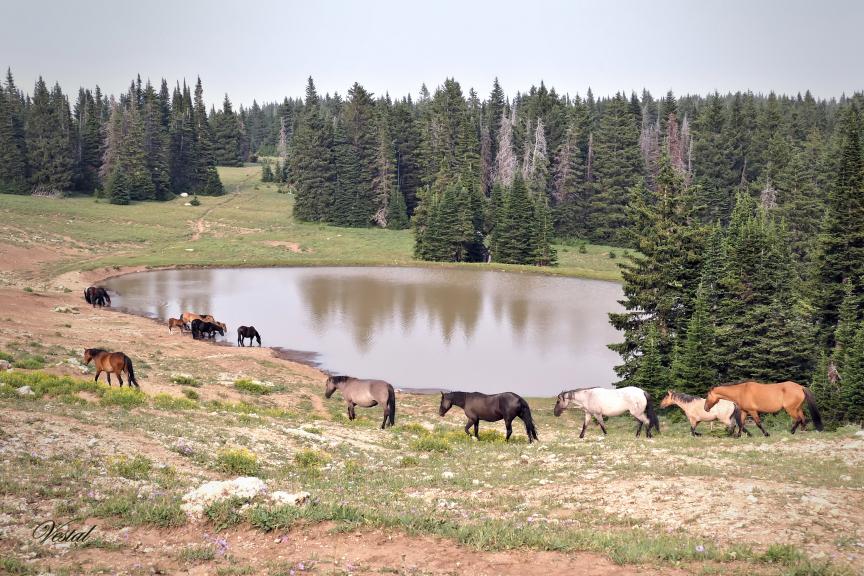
(146, 145)
(773, 293)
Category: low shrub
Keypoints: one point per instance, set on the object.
(127, 398)
(238, 461)
(136, 468)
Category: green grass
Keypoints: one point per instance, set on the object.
(135, 468)
(185, 380)
(250, 387)
(238, 461)
(198, 553)
(159, 234)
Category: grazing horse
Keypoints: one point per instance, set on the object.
(490, 408)
(754, 397)
(694, 408)
(96, 295)
(110, 362)
(177, 323)
(249, 332)
(600, 402)
(201, 329)
(365, 393)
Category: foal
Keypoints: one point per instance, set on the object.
(694, 408)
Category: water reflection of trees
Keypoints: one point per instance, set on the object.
(375, 304)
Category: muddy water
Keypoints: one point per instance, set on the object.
(417, 328)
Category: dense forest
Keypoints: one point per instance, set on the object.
(746, 210)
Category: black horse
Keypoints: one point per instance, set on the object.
(202, 329)
(96, 295)
(490, 408)
(249, 332)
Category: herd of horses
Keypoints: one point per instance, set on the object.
(731, 404)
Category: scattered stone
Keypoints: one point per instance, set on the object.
(25, 391)
(66, 309)
(184, 195)
(447, 474)
(4, 365)
(187, 204)
(92, 442)
(244, 487)
(288, 499)
(860, 433)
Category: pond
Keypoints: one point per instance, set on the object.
(418, 328)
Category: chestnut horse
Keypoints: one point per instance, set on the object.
(754, 397)
(108, 362)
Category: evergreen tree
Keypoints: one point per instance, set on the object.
(156, 143)
(227, 138)
(852, 384)
(841, 242)
(207, 181)
(13, 151)
(827, 391)
(311, 168)
(693, 363)
(182, 142)
(515, 235)
(397, 211)
(49, 143)
(652, 375)
(848, 320)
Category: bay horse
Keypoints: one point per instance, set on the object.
(110, 362)
(249, 332)
(694, 408)
(365, 393)
(600, 402)
(490, 408)
(755, 397)
(96, 295)
(177, 323)
(188, 317)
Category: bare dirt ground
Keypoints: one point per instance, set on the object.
(678, 493)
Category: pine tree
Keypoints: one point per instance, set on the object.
(652, 375)
(852, 384)
(544, 233)
(49, 143)
(397, 211)
(207, 181)
(311, 167)
(182, 154)
(841, 242)
(13, 152)
(827, 391)
(848, 320)
(156, 143)
(227, 141)
(693, 363)
(515, 235)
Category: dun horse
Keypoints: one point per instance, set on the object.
(600, 402)
(364, 393)
(188, 317)
(490, 408)
(110, 362)
(694, 408)
(754, 397)
(97, 296)
(249, 332)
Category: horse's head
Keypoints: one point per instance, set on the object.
(561, 404)
(711, 400)
(667, 400)
(446, 403)
(88, 355)
(330, 387)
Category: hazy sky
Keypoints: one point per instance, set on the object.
(267, 49)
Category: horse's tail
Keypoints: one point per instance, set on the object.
(525, 414)
(735, 419)
(131, 371)
(391, 401)
(107, 296)
(814, 411)
(653, 421)
(87, 296)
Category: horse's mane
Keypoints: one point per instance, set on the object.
(457, 396)
(339, 379)
(570, 392)
(744, 381)
(682, 397)
(96, 350)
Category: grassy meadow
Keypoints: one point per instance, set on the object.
(250, 226)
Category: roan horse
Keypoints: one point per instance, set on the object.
(754, 397)
(110, 362)
(365, 393)
(96, 295)
(490, 408)
(249, 332)
(694, 408)
(600, 402)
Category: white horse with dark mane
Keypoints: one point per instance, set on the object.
(600, 402)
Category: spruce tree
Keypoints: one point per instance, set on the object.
(227, 141)
(207, 181)
(13, 156)
(156, 143)
(852, 384)
(693, 363)
(652, 375)
(397, 211)
(827, 391)
(311, 168)
(515, 236)
(182, 154)
(49, 143)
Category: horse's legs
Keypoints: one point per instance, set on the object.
(755, 416)
(468, 426)
(509, 425)
(120, 378)
(96, 379)
(639, 429)
(477, 428)
(108, 376)
(386, 416)
(693, 425)
(585, 424)
(350, 410)
(599, 418)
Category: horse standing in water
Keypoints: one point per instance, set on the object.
(96, 295)
(694, 408)
(490, 408)
(600, 402)
(108, 362)
(249, 332)
(365, 393)
(754, 397)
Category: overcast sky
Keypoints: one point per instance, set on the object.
(267, 49)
